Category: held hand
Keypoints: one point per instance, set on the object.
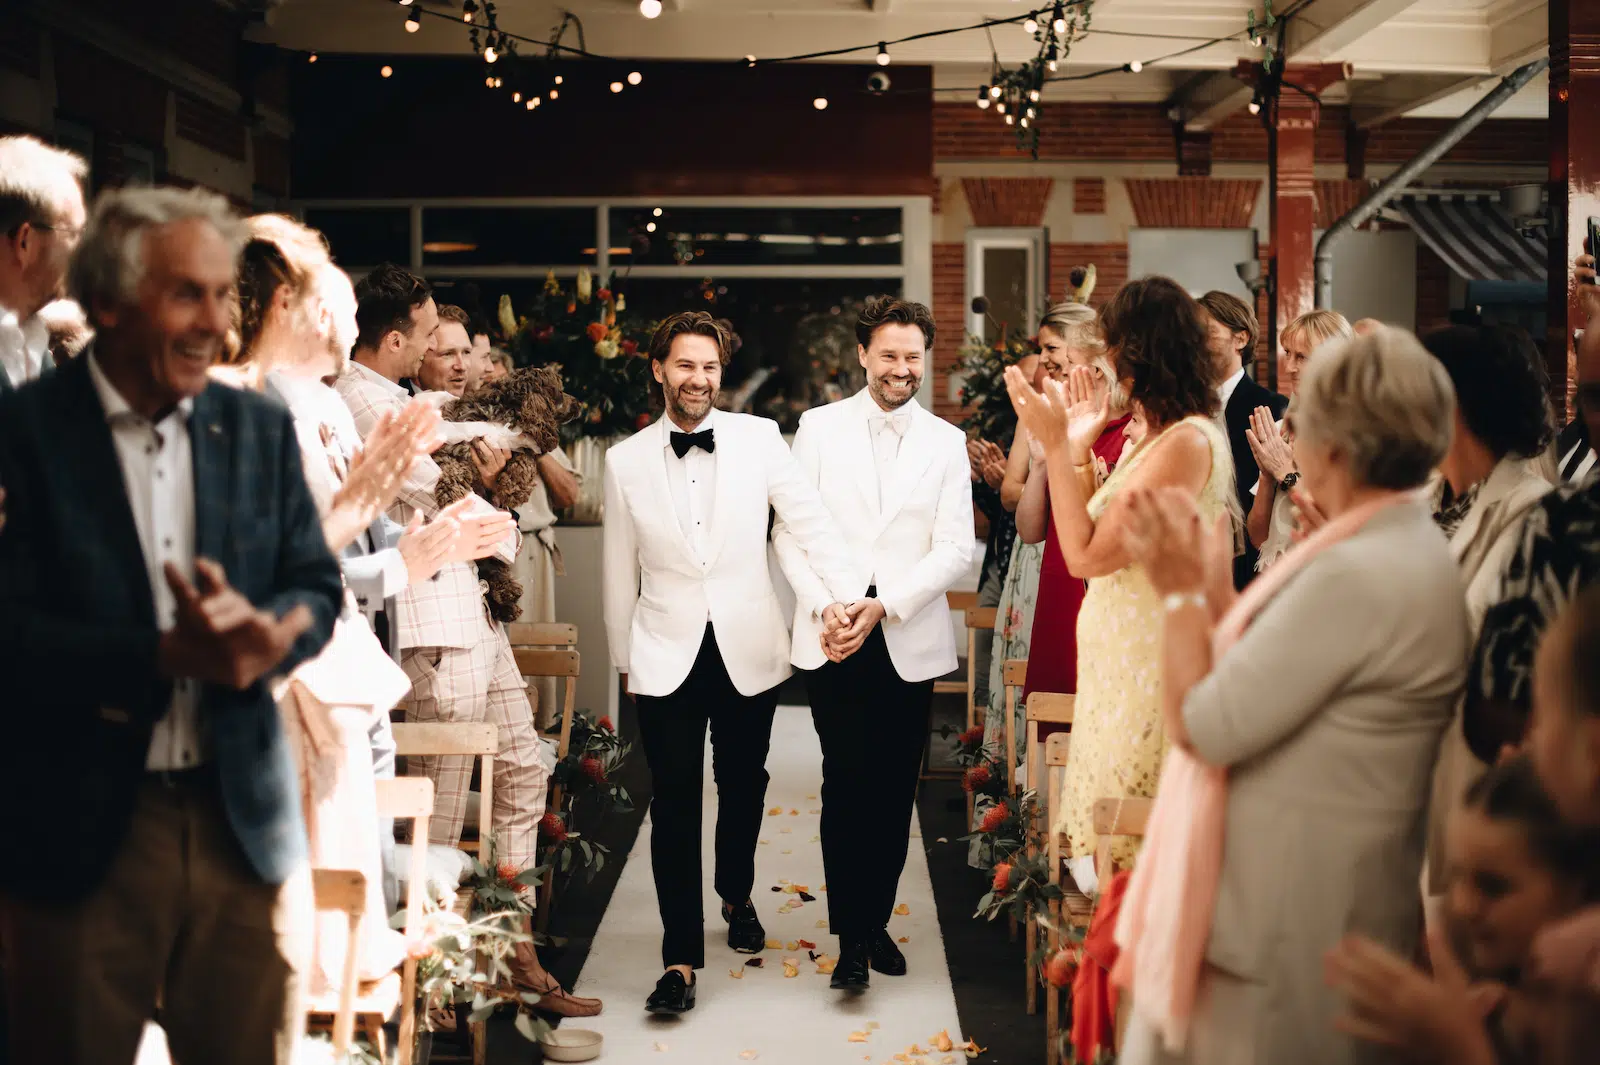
(1272, 452)
(1087, 416)
(490, 461)
(1164, 534)
(219, 636)
(863, 615)
(1042, 414)
(835, 618)
(426, 548)
(480, 534)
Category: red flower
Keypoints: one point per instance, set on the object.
(1061, 968)
(992, 820)
(975, 778)
(630, 347)
(572, 306)
(605, 723)
(1002, 876)
(544, 333)
(971, 736)
(603, 295)
(593, 769)
(641, 421)
(507, 874)
(552, 827)
(596, 331)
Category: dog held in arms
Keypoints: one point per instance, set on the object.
(530, 404)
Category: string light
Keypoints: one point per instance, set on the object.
(405, 3)
(1031, 26)
(883, 54)
(468, 9)
(649, 227)
(555, 94)
(1024, 123)
(649, 8)
(994, 92)
(559, 79)
(386, 71)
(983, 99)
(1010, 120)
(1033, 95)
(1058, 21)
(490, 55)
(634, 77)
(414, 21)
(1135, 66)
(516, 97)
(489, 82)
(1255, 107)
(656, 212)
(533, 101)
(820, 103)
(312, 58)
(616, 86)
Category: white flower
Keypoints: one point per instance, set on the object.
(607, 348)
(585, 284)
(508, 317)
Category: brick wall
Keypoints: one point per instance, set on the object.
(1007, 201)
(1193, 202)
(1433, 290)
(1110, 263)
(950, 322)
(1089, 195)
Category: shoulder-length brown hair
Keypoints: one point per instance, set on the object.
(1157, 340)
(693, 323)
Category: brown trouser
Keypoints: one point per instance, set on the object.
(181, 918)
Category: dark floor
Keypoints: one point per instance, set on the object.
(985, 966)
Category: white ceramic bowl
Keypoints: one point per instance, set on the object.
(571, 1044)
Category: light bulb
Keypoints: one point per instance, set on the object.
(1060, 26)
(820, 103)
(489, 82)
(983, 97)
(558, 79)
(1255, 108)
(1000, 107)
(657, 212)
(516, 97)
(405, 3)
(414, 21)
(555, 95)
(1032, 113)
(994, 92)
(1011, 120)
(649, 8)
(312, 58)
(1135, 66)
(490, 55)
(1033, 94)
(983, 103)
(1051, 66)
(1030, 27)
(533, 101)
(1024, 123)
(466, 16)
(883, 54)
(616, 86)
(750, 59)
(386, 71)
(634, 77)
(649, 227)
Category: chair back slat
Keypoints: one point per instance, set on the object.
(1052, 707)
(466, 737)
(1014, 673)
(1055, 748)
(960, 601)
(533, 662)
(405, 797)
(542, 634)
(980, 617)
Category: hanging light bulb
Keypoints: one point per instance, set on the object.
(516, 97)
(1030, 27)
(498, 83)
(489, 82)
(1051, 66)
(750, 60)
(312, 58)
(405, 3)
(883, 54)
(994, 92)
(1135, 66)
(1032, 113)
(820, 103)
(983, 99)
(490, 55)
(1000, 108)
(1060, 26)
(649, 8)
(1024, 122)
(386, 71)
(1255, 107)
(649, 227)
(656, 212)
(616, 86)
(1011, 120)
(634, 77)
(1033, 94)
(468, 9)
(533, 101)
(558, 79)
(555, 94)
(414, 21)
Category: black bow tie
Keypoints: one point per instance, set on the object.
(683, 442)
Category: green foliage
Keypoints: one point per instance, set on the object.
(984, 395)
(461, 961)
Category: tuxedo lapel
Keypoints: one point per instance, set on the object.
(855, 440)
(211, 451)
(916, 455)
(729, 461)
(661, 485)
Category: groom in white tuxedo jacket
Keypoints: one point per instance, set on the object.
(896, 478)
(695, 626)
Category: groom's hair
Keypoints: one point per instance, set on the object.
(692, 323)
(880, 311)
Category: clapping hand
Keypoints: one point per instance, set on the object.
(1042, 414)
(219, 636)
(1087, 416)
(1391, 1002)
(427, 547)
(840, 642)
(481, 532)
(1273, 453)
(1166, 536)
(378, 470)
(988, 462)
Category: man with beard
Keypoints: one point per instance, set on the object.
(897, 480)
(695, 627)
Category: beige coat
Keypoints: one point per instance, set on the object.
(1482, 545)
(1327, 714)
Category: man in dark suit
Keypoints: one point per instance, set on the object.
(161, 560)
(1233, 332)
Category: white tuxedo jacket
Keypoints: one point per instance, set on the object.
(913, 547)
(659, 594)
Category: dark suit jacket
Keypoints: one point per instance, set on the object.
(1247, 396)
(46, 365)
(78, 635)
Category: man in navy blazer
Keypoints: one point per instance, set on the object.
(161, 561)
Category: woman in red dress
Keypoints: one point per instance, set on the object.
(1069, 336)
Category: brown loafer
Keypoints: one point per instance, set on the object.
(558, 1002)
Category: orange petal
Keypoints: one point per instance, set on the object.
(737, 974)
(904, 939)
(857, 1037)
(903, 910)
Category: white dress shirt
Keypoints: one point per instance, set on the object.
(1225, 390)
(693, 480)
(22, 347)
(158, 475)
(887, 429)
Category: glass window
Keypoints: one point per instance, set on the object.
(364, 236)
(1005, 283)
(508, 236)
(756, 236)
(797, 342)
(481, 295)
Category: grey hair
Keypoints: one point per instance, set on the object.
(1382, 401)
(35, 178)
(106, 268)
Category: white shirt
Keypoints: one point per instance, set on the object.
(1225, 390)
(693, 480)
(886, 428)
(158, 475)
(22, 347)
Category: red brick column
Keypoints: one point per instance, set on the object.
(1574, 166)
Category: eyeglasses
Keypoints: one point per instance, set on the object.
(67, 232)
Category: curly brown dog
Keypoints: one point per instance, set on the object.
(531, 401)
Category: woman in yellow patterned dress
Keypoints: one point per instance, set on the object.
(1156, 338)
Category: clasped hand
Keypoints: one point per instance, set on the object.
(219, 636)
(846, 627)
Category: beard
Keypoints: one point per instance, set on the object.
(688, 408)
(893, 393)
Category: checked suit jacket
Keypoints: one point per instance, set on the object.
(78, 635)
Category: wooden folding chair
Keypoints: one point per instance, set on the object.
(533, 663)
(976, 619)
(404, 799)
(476, 739)
(542, 634)
(344, 890)
(1074, 907)
(1114, 819)
(1053, 708)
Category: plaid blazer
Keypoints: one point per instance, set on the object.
(78, 635)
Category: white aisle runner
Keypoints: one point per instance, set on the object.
(778, 1020)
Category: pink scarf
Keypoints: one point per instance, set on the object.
(1166, 915)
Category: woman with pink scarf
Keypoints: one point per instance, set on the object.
(1304, 715)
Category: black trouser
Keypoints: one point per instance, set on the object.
(872, 726)
(673, 729)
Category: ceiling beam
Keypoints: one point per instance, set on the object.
(1372, 103)
(1206, 99)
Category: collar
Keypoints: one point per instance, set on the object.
(669, 426)
(366, 373)
(1226, 389)
(869, 407)
(116, 408)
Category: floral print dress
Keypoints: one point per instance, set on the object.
(1118, 742)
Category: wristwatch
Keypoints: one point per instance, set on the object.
(1289, 482)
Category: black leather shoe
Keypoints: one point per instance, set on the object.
(745, 933)
(850, 974)
(673, 994)
(883, 955)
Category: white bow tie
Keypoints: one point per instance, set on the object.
(896, 423)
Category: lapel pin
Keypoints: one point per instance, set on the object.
(214, 429)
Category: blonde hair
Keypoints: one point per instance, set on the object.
(1316, 328)
(1382, 401)
(35, 180)
(1078, 326)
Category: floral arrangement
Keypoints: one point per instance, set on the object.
(983, 392)
(461, 961)
(603, 355)
(585, 775)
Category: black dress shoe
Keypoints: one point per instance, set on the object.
(673, 994)
(884, 956)
(745, 933)
(850, 974)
